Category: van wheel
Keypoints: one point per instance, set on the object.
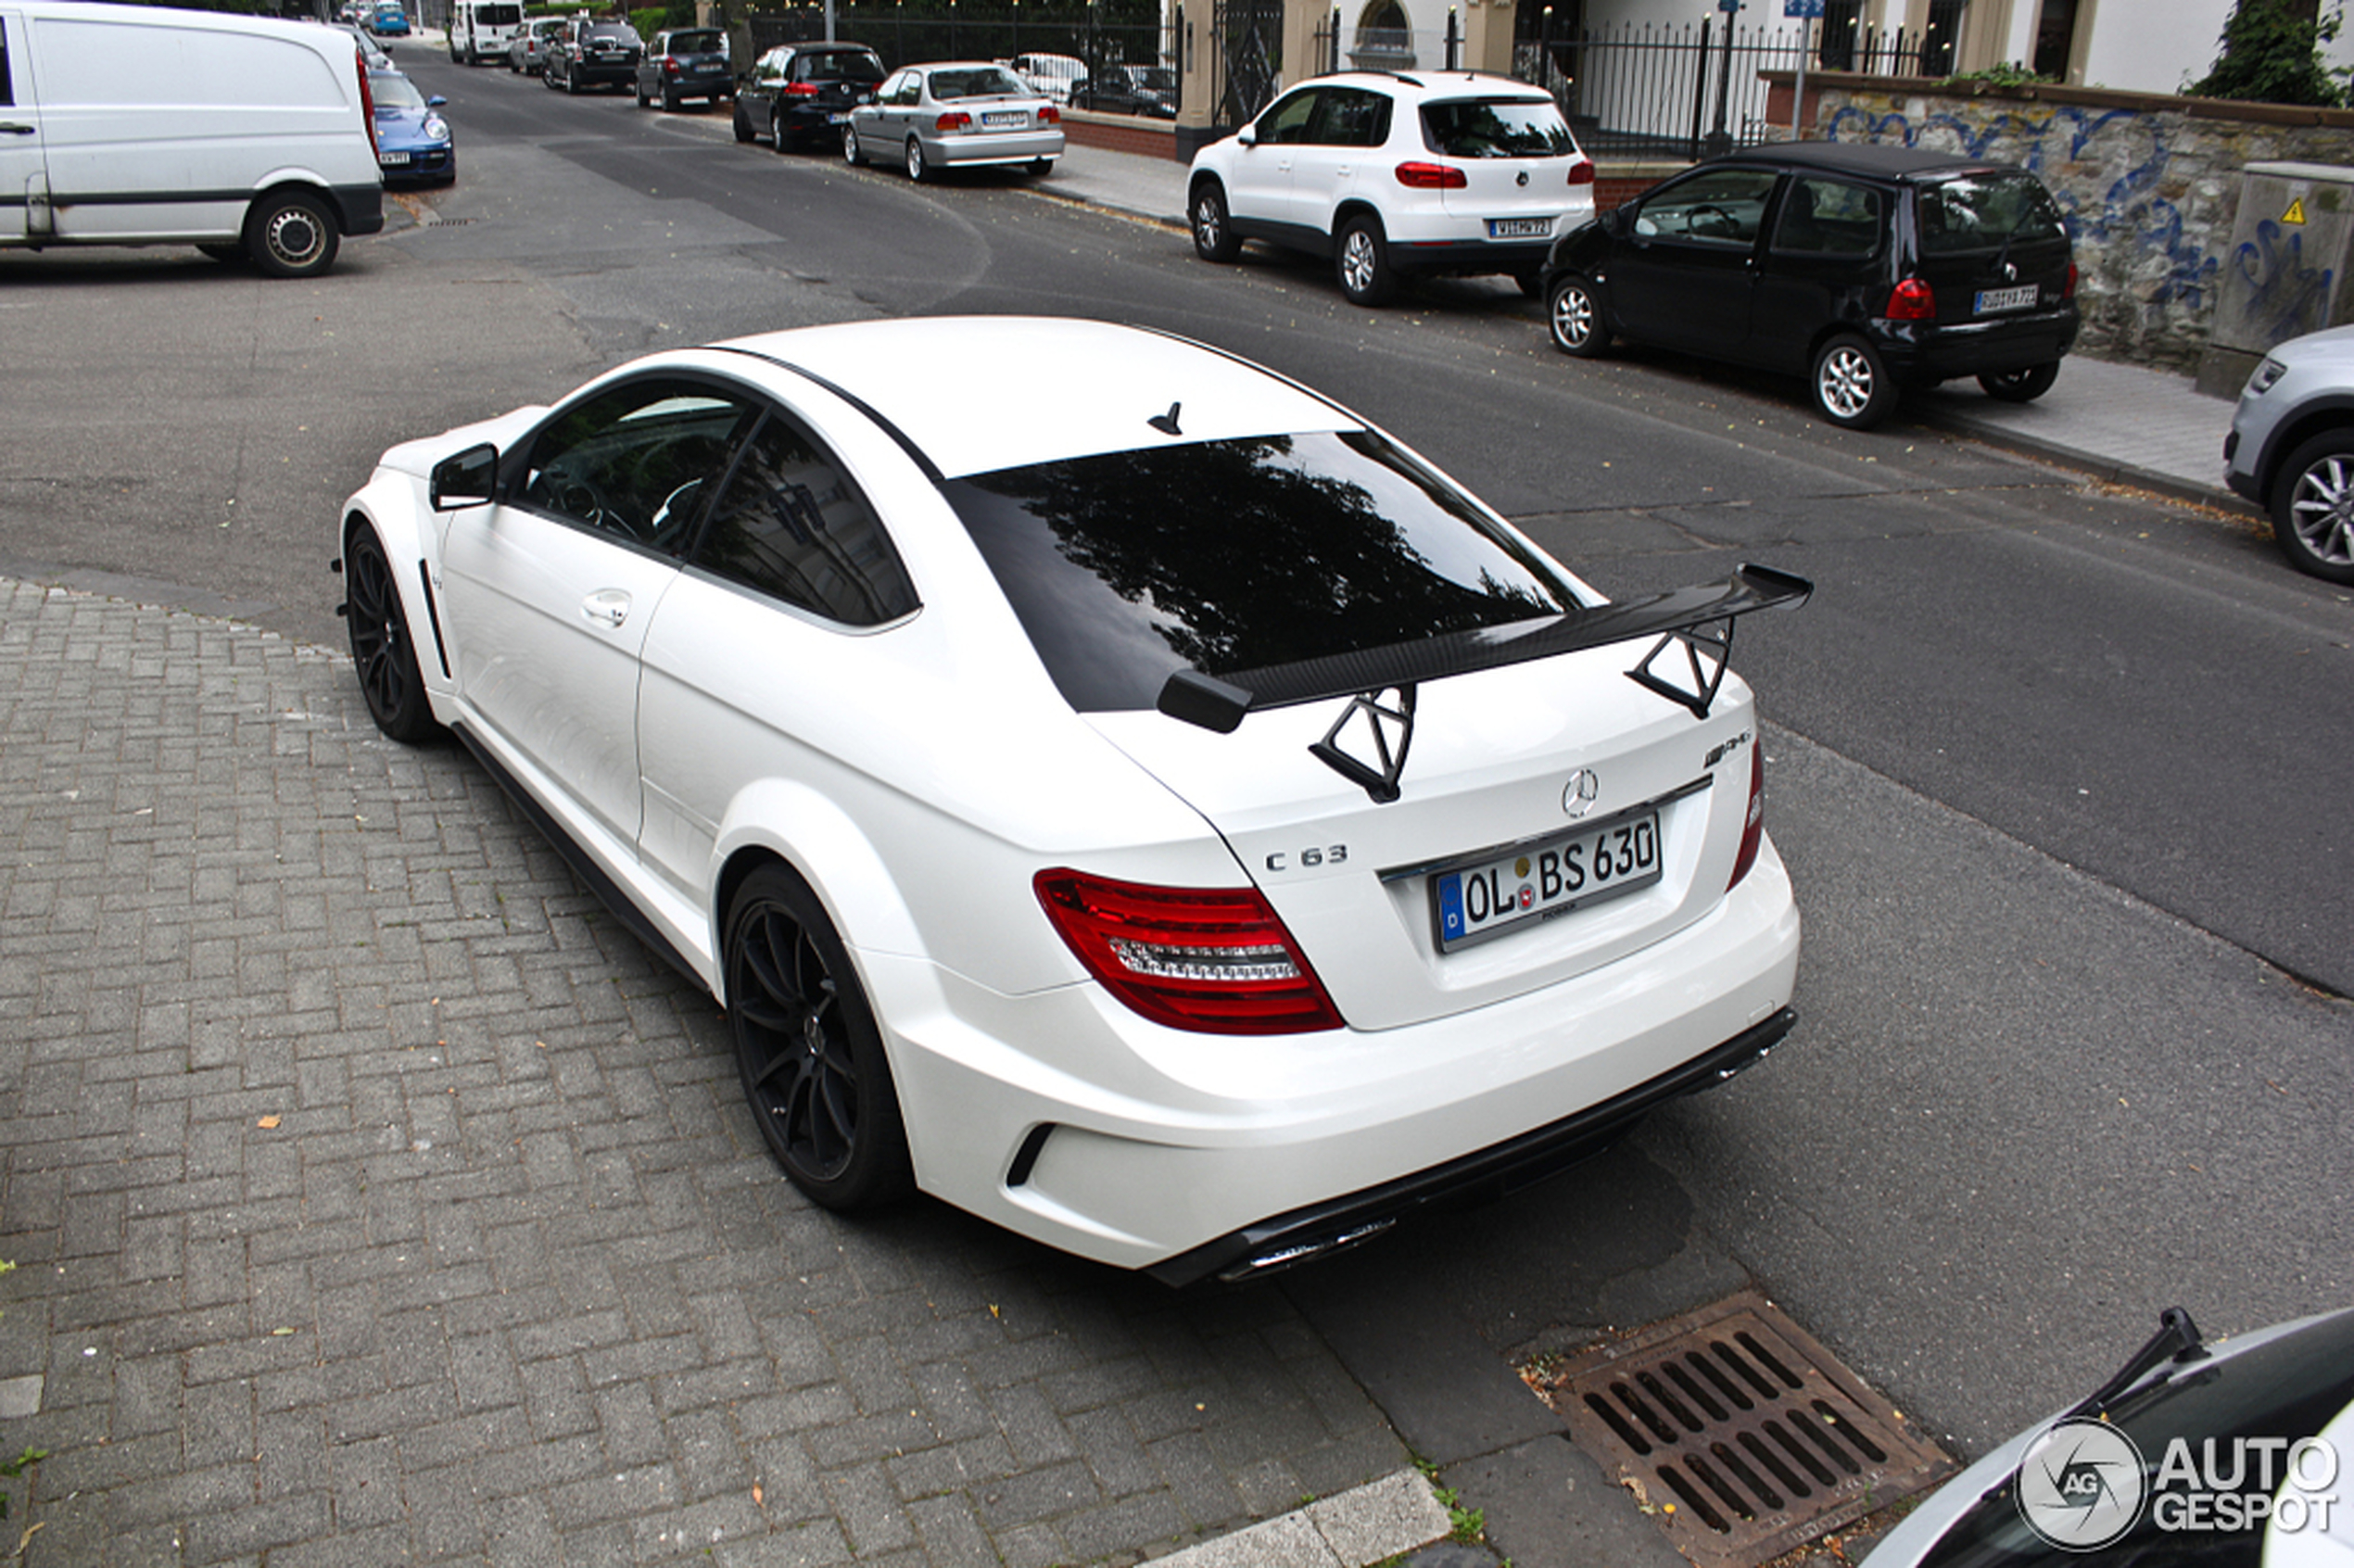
(291, 235)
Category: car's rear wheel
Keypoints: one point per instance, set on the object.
(776, 133)
(669, 101)
(1040, 165)
(918, 170)
(850, 153)
(807, 1049)
(291, 235)
(1360, 259)
(643, 101)
(382, 654)
(744, 132)
(2313, 507)
(1852, 385)
(1530, 282)
(2022, 385)
(1575, 318)
(1214, 236)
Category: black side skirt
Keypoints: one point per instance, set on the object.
(1476, 1178)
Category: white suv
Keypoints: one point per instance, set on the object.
(1397, 174)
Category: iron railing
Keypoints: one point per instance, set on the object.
(903, 35)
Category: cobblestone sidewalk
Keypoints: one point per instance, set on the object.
(376, 1199)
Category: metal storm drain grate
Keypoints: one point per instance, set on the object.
(1740, 1433)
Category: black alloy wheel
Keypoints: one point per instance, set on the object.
(1575, 317)
(807, 1049)
(382, 656)
(1214, 237)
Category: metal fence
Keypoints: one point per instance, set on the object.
(903, 35)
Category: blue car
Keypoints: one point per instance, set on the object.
(413, 143)
(388, 21)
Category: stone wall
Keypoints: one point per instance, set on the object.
(2150, 185)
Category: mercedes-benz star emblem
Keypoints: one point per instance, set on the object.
(1579, 794)
(1523, 176)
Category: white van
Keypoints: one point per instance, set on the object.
(138, 125)
(481, 29)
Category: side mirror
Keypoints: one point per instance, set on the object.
(436, 101)
(471, 478)
(1248, 135)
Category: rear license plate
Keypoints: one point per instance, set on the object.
(839, 118)
(1533, 882)
(392, 158)
(1993, 299)
(1013, 118)
(1519, 228)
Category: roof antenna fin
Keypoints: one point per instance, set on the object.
(1167, 423)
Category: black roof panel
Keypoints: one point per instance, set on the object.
(1872, 160)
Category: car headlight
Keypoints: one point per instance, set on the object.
(2271, 371)
(437, 128)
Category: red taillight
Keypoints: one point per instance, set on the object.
(1213, 960)
(1050, 115)
(367, 104)
(1582, 171)
(1912, 300)
(2067, 290)
(954, 119)
(1753, 824)
(669, 66)
(1431, 177)
(801, 89)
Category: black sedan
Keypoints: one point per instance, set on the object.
(1145, 90)
(1866, 268)
(797, 93)
(592, 54)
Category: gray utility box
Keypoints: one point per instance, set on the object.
(2285, 273)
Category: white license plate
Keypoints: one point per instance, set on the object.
(1519, 228)
(1539, 882)
(1014, 118)
(1993, 299)
(395, 158)
(838, 119)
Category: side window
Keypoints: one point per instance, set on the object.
(8, 95)
(1721, 206)
(1350, 117)
(1288, 121)
(634, 460)
(792, 525)
(1829, 218)
(911, 90)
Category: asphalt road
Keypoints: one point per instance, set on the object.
(2060, 774)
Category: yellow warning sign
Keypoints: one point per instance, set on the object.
(2296, 213)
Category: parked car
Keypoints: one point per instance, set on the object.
(589, 53)
(1394, 175)
(1866, 268)
(799, 92)
(1077, 890)
(956, 115)
(377, 56)
(2291, 449)
(1054, 77)
(413, 143)
(527, 51)
(688, 62)
(388, 20)
(2230, 1455)
(482, 30)
(266, 153)
(1118, 89)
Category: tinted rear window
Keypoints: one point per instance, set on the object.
(1985, 212)
(859, 65)
(694, 43)
(1228, 556)
(621, 30)
(1496, 128)
(498, 16)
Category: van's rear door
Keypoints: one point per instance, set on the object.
(24, 189)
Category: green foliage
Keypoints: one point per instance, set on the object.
(2272, 54)
(649, 21)
(11, 1468)
(2010, 73)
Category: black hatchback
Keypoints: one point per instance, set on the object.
(802, 93)
(1868, 268)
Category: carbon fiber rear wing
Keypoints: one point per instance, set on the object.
(1698, 620)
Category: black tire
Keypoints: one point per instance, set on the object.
(1850, 383)
(1574, 317)
(1361, 261)
(918, 170)
(2313, 506)
(1041, 166)
(669, 101)
(291, 234)
(643, 102)
(807, 1049)
(850, 153)
(224, 252)
(2022, 385)
(572, 83)
(1531, 282)
(383, 656)
(1214, 236)
(744, 132)
(776, 133)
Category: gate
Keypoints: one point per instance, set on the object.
(1249, 58)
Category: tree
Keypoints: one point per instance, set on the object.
(2272, 54)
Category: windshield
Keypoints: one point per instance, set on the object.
(1986, 212)
(1228, 556)
(1496, 128)
(392, 91)
(981, 83)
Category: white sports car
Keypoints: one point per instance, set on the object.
(1168, 818)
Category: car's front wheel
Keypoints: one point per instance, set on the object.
(1852, 385)
(918, 170)
(744, 132)
(291, 235)
(850, 153)
(808, 1050)
(776, 133)
(2022, 385)
(2313, 507)
(1575, 318)
(1360, 259)
(1214, 236)
(382, 654)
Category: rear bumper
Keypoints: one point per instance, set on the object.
(1930, 351)
(717, 84)
(965, 152)
(1469, 256)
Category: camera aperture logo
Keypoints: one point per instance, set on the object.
(2081, 1485)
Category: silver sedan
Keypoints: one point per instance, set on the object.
(935, 117)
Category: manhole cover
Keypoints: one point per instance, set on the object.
(1738, 1432)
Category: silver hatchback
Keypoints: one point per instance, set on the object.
(935, 117)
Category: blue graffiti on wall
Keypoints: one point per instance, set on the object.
(2286, 298)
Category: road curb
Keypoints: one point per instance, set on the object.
(1371, 1524)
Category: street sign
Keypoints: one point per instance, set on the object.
(1802, 7)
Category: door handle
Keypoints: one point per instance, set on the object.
(606, 607)
(10, 127)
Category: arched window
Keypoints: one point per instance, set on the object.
(1385, 38)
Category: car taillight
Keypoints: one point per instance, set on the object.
(1753, 824)
(954, 119)
(2068, 289)
(1213, 960)
(669, 66)
(801, 89)
(1582, 171)
(1912, 300)
(1050, 115)
(1431, 177)
(367, 104)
